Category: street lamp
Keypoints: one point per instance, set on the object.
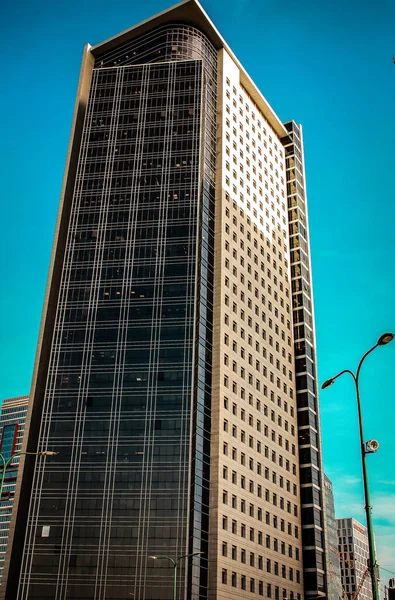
(6, 463)
(368, 447)
(174, 562)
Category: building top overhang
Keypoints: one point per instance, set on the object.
(192, 13)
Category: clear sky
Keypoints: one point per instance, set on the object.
(327, 65)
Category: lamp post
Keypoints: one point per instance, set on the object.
(6, 463)
(368, 447)
(174, 562)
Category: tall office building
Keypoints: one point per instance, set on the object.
(175, 373)
(354, 556)
(12, 426)
(335, 588)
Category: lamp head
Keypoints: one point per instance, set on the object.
(327, 383)
(153, 557)
(384, 339)
(47, 453)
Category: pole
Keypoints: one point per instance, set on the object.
(368, 507)
(384, 339)
(175, 581)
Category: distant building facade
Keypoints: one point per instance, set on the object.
(354, 555)
(335, 590)
(12, 425)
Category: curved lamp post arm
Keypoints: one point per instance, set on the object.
(6, 463)
(175, 564)
(362, 360)
(188, 555)
(328, 382)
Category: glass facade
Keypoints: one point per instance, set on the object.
(127, 401)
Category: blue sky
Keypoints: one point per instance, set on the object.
(325, 65)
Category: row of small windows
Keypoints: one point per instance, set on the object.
(259, 562)
(256, 586)
(257, 328)
(254, 170)
(248, 137)
(246, 104)
(234, 221)
(256, 262)
(270, 178)
(256, 278)
(273, 184)
(278, 439)
(251, 533)
(275, 478)
(275, 569)
(282, 423)
(273, 454)
(256, 383)
(236, 368)
(257, 348)
(248, 192)
(266, 414)
(279, 240)
(257, 512)
(245, 121)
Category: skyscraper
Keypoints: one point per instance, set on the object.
(175, 373)
(12, 426)
(335, 588)
(354, 556)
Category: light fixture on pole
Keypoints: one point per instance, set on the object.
(174, 562)
(6, 463)
(368, 447)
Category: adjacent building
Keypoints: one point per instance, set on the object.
(335, 589)
(12, 426)
(354, 555)
(175, 372)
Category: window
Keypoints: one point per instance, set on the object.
(224, 576)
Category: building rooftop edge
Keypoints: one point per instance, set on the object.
(14, 399)
(351, 519)
(191, 11)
